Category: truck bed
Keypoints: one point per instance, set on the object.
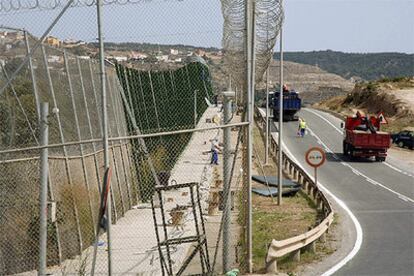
(366, 139)
(290, 102)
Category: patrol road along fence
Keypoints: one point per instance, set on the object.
(307, 240)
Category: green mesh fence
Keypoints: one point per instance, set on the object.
(164, 101)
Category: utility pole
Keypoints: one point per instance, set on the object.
(280, 156)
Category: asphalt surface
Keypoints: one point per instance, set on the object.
(380, 195)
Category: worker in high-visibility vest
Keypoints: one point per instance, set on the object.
(302, 127)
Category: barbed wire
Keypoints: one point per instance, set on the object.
(269, 18)
(24, 5)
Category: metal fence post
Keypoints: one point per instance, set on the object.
(248, 22)
(112, 103)
(251, 30)
(32, 75)
(280, 156)
(105, 134)
(78, 131)
(44, 172)
(134, 115)
(267, 117)
(227, 163)
(80, 139)
(154, 101)
(56, 111)
(111, 150)
(195, 108)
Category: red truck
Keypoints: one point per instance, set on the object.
(363, 138)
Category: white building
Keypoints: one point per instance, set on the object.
(162, 58)
(120, 58)
(54, 59)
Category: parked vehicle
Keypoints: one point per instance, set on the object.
(363, 138)
(291, 105)
(404, 138)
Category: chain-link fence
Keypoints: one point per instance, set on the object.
(70, 84)
(179, 186)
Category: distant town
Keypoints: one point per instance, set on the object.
(12, 45)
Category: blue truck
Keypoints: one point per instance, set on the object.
(291, 105)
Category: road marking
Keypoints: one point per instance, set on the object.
(367, 178)
(326, 120)
(341, 132)
(358, 228)
(378, 211)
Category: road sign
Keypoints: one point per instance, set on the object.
(315, 157)
(382, 119)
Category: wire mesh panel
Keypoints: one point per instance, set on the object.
(165, 127)
(70, 84)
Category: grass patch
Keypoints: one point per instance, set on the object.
(270, 221)
(295, 216)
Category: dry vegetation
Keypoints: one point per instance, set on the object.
(295, 216)
(389, 96)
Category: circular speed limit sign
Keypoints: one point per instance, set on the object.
(315, 157)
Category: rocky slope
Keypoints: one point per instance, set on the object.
(395, 98)
(313, 83)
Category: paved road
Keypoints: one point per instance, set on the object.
(380, 195)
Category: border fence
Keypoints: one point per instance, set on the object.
(160, 127)
(70, 84)
(156, 130)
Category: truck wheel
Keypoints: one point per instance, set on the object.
(401, 144)
(345, 148)
(351, 153)
(379, 159)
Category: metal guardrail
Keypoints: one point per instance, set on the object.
(307, 240)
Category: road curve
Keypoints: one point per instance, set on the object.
(380, 195)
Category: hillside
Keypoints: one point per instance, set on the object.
(395, 98)
(313, 83)
(368, 66)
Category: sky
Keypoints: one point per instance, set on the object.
(344, 25)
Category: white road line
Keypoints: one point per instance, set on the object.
(394, 168)
(326, 120)
(358, 228)
(341, 132)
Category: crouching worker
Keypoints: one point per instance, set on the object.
(215, 149)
